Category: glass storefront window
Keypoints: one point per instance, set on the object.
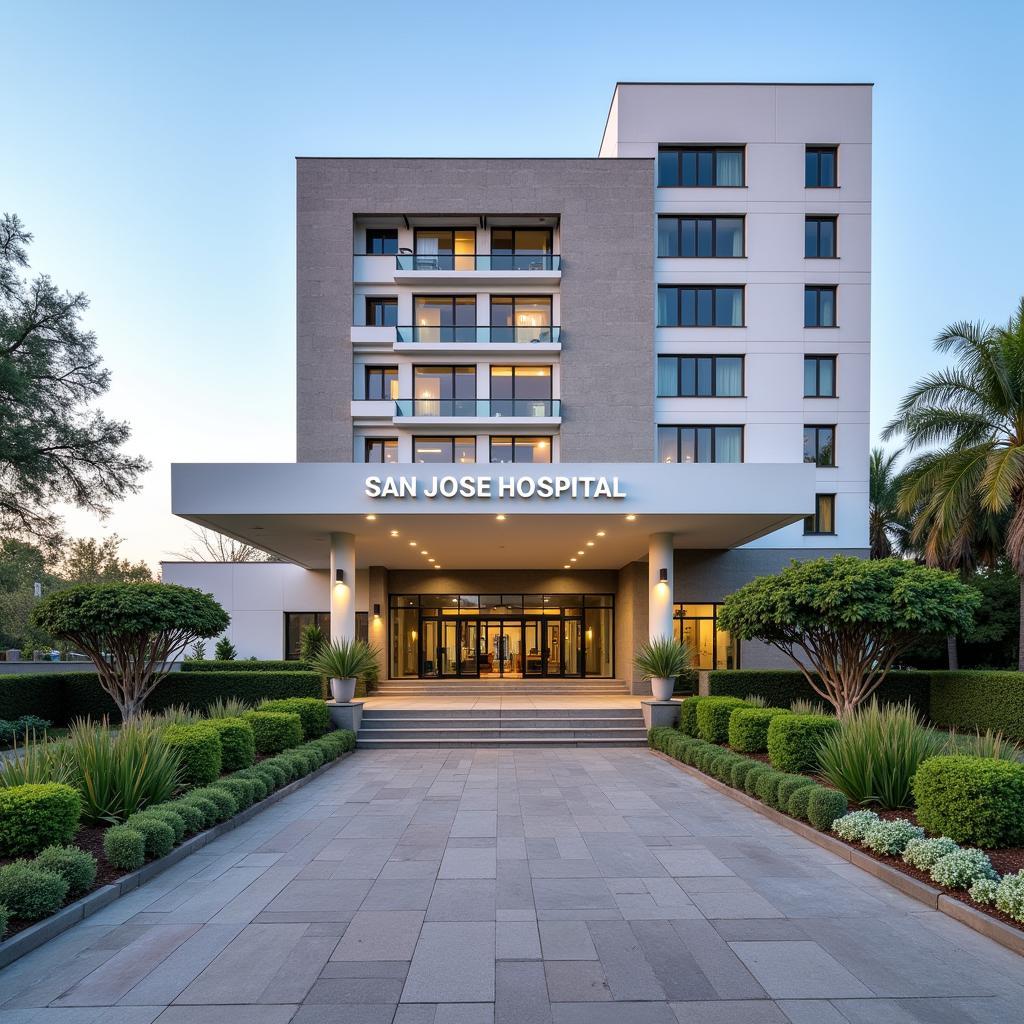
(713, 648)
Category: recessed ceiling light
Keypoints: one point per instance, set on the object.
(412, 543)
(581, 552)
(424, 552)
(566, 566)
(590, 543)
(630, 517)
(437, 567)
(394, 533)
(600, 533)
(500, 517)
(572, 559)
(371, 517)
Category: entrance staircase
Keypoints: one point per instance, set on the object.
(500, 687)
(403, 728)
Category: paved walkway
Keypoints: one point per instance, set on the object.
(528, 887)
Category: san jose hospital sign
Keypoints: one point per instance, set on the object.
(488, 486)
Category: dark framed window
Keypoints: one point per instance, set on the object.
(520, 449)
(520, 391)
(824, 518)
(382, 241)
(444, 249)
(700, 376)
(521, 248)
(820, 238)
(444, 391)
(700, 167)
(704, 306)
(820, 305)
(697, 626)
(444, 449)
(381, 311)
(715, 237)
(444, 318)
(295, 623)
(820, 444)
(691, 444)
(820, 166)
(819, 376)
(380, 449)
(381, 383)
(520, 318)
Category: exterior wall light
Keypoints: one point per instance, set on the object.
(376, 610)
(663, 576)
(339, 575)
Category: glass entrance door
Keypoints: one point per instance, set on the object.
(533, 648)
(572, 647)
(469, 645)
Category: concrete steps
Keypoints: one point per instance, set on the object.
(499, 687)
(576, 727)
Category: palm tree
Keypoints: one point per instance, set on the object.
(970, 418)
(888, 528)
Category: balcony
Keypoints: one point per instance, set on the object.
(515, 409)
(420, 334)
(539, 268)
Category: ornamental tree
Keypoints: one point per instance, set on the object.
(132, 631)
(844, 621)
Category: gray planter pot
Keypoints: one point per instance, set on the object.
(662, 687)
(343, 690)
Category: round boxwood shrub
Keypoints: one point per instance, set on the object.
(201, 803)
(793, 741)
(199, 745)
(316, 719)
(172, 816)
(125, 847)
(226, 805)
(242, 790)
(739, 771)
(748, 728)
(766, 786)
(977, 800)
(688, 715)
(77, 867)
(275, 731)
(787, 787)
(300, 761)
(285, 769)
(193, 815)
(750, 782)
(314, 753)
(260, 788)
(824, 805)
(271, 778)
(156, 833)
(4, 918)
(713, 717)
(31, 892)
(721, 767)
(340, 741)
(36, 815)
(237, 743)
(799, 799)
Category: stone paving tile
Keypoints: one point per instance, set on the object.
(798, 970)
(729, 1011)
(453, 962)
(380, 935)
(521, 994)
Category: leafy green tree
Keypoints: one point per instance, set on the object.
(132, 631)
(225, 650)
(53, 446)
(88, 560)
(844, 621)
(968, 422)
(22, 566)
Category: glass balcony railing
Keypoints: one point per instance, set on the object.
(435, 335)
(477, 261)
(493, 407)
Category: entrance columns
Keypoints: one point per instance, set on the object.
(660, 590)
(343, 586)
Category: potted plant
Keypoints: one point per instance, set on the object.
(343, 661)
(661, 660)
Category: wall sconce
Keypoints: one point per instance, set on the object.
(663, 576)
(376, 611)
(339, 575)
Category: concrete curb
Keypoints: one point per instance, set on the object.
(42, 931)
(936, 899)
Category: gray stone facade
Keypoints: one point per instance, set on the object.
(607, 287)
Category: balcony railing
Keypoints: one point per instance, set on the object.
(524, 408)
(477, 261)
(446, 335)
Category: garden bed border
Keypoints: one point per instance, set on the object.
(50, 927)
(936, 899)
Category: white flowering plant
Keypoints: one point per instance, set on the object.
(984, 890)
(923, 853)
(1010, 896)
(855, 825)
(891, 837)
(962, 868)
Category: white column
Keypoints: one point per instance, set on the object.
(659, 591)
(343, 591)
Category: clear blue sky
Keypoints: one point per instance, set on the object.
(149, 146)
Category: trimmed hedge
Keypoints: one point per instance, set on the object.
(125, 847)
(77, 867)
(237, 743)
(316, 719)
(37, 815)
(979, 700)
(793, 741)
(824, 806)
(688, 715)
(30, 892)
(713, 717)
(975, 800)
(199, 745)
(62, 697)
(748, 728)
(214, 665)
(157, 835)
(274, 730)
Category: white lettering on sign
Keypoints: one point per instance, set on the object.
(526, 487)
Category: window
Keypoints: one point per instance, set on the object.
(381, 241)
(820, 445)
(700, 376)
(295, 623)
(824, 518)
(381, 311)
(445, 249)
(518, 318)
(700, 166)
(520, 390)
(690, 306)
(520, 449)
(700, 444)
(819, 376)
(697, 626)
(444, 390)
(444, 449)
(700, 236)
(444, 318)
(381, 383)
(820, 167)
(819, 238)
(820, 305)
(380, 449)
(521, 248)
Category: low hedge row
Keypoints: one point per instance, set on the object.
(64, 696)
(979, 700)
(37, 815)
(247, 666)
(793, 794)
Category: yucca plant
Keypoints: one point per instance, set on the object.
(755, 700)
(873, 755)
(801, 706)
(983, 744)
(227, 707)
(38, 760)
(175, 714)
(663, 658)
(344, 661)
